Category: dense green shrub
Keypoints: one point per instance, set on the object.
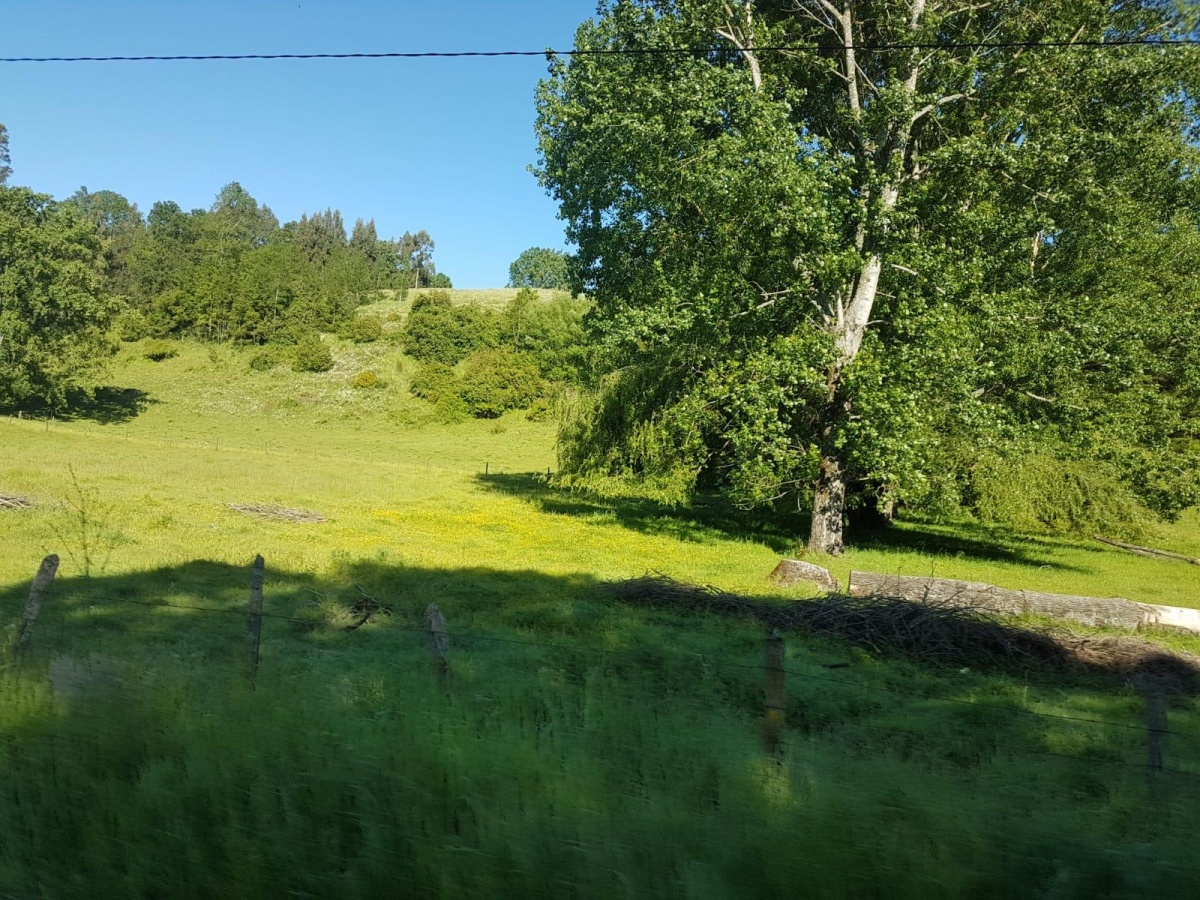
(439, 332)
(434, 382)
(266, 359)
(495, 381)
(311, 355)
(437, 298)
(540, 410)
(365, 381)
(131, 325)
(157, 351)
(365, 329)
(450, 408)
(552, 330)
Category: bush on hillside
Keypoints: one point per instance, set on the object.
(434, 382)
(552, 330)
(365, 381)
(365, 329)
(157, 351)
(495, 381)
(131, 325)
(438, 332)
(266, 359)
(431, 298)
(311, 355)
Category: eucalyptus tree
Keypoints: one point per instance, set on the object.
(849, 250)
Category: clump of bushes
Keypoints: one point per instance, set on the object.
(440, 332)
(311, 355)
(131, 325)
(495, 381)
(157, 351)
(540, 410)
(435, 381)
(365, 381)
(365, 329)
(265, 359)
(492, 382)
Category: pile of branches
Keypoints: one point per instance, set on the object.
(15, 501)
(935, 631)
(278, 513)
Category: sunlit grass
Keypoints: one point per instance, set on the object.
(622, 759)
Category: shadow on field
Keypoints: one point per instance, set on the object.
(704, 520)
(968, 540)
(200, 608)
(577, 741)
(106, 405)
(710, 518)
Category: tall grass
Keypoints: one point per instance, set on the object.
(580, 749)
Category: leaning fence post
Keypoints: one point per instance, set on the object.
(37, 595)
(774, 697)
(437, 634)
(254, 623)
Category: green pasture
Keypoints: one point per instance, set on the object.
(580, 749)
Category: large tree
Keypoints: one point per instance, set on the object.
(53, 313)
(891, 261)
(540, 267)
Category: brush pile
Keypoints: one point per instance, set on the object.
(15, 501)
(278, 513)
(934, 631)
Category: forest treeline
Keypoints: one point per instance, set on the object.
(233, 272)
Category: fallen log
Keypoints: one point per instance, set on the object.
(1148, 551)
(1112, 611)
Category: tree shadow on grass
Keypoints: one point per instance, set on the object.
(106, 405)
(352, 744)
(708, 518)
(705, 520)
(192, 617)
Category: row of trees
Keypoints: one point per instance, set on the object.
(231, 272)
(938, 253)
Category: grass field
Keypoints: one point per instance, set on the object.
(491, 298)
(581, 749)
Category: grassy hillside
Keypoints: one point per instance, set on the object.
(580, 748)
(492, 298)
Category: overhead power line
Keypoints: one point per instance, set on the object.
(625, 51)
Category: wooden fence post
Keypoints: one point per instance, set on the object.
(37, 595)
(774, 696)
(437, 634)
(254, 623)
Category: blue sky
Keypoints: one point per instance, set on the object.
(442, 145)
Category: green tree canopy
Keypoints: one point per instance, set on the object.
(891, 263)
(540, 267)
(53, 313)
(5, 158)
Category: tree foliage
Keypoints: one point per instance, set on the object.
(53, 312)
(540, 267)
(233, 273)
(5, 157)
(849, 274)
(438, 331)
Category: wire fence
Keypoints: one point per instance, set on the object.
(456, 639)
